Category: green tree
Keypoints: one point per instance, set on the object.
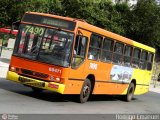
(140, 22)
(144, 25)
(13, 10)
(102, 13)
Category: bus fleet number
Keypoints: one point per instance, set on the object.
(34, 30)
(93, 66)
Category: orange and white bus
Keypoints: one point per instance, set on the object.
(70, 56)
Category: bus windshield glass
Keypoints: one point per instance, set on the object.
(44, 44)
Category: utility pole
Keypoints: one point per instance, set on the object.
(1, 47)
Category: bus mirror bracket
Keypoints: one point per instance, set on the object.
(15, 26)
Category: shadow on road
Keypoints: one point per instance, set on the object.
(51, 96)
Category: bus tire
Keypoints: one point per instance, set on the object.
(37, 90)
(130, 93)
(85, 91)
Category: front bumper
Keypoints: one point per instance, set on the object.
(52, 86)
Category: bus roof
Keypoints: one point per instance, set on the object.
(84, 25)
(54, 16)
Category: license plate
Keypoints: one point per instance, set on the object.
(37, 84)
(24, 80)
(31, 82)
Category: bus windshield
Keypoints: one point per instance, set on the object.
(44, 44)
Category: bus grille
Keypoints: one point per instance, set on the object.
(33, 73)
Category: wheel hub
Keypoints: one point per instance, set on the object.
(85, 91)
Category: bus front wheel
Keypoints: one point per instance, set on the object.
(85, 91)
(128, 97)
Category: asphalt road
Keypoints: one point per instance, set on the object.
(16, 98)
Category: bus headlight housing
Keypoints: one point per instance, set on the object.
(13, 69)
(55, 79)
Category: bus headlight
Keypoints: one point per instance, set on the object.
(58, 79)
(55, 79)
(13, 69)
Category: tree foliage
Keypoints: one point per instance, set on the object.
(140, 22)
(144, 25)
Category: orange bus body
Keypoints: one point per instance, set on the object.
(71, 79)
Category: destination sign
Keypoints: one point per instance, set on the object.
(55, 22)
(49, 21)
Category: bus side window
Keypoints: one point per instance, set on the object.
(150, 61)
(143, 60)
(127, 55)
(118, 53)
(107, 50)
(94, 47)
(136, 58)
(79, 50)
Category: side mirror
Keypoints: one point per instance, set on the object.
(15, 25)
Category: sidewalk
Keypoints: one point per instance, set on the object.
(4, 64)
(154, 88)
